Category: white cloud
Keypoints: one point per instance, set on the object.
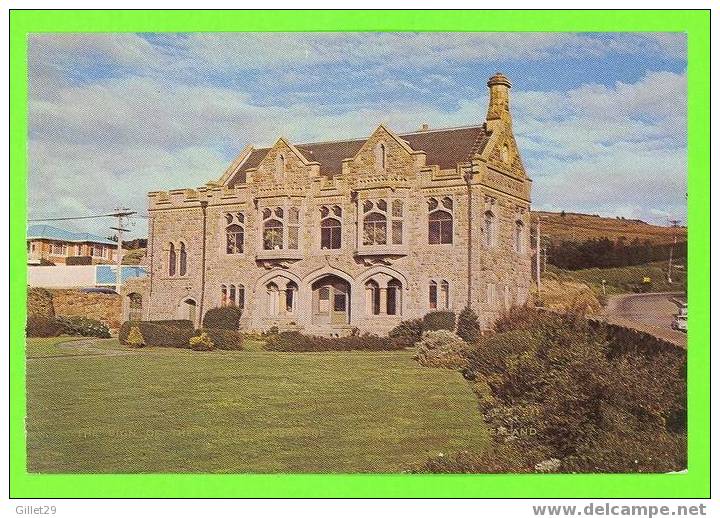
(97, 143)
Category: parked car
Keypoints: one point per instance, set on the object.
(680, 319)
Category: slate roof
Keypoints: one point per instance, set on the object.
(59, 234)
(443, 147)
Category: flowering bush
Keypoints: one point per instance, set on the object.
(202, 342)
(135, 338)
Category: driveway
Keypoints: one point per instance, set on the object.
(649, 312)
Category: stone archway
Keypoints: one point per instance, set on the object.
(331, 296)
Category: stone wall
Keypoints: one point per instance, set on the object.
(65, 303)
(40, 303)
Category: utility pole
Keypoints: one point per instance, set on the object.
(122, 218)
(675, 223)
(537, 254)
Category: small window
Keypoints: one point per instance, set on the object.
(519, 237)
(394, 294)
(440, 228)
(375, 229)
(183, 259)
(172, 260)
(235, 239)
(273, 235)
(489, 229)
(372, 298)
(381, 156)
(433, 295)
(330, 231)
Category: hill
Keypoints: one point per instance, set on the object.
(557, 227)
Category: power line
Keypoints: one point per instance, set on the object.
(68, 218)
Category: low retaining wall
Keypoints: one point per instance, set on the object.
(67, 303)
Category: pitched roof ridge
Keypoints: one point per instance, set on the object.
(358, 139)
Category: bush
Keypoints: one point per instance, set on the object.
(468, 327)
(135, 337)
(83, 326)
(43, 327)
(562, 389)
(407, 332)
(224, 339)
(294, 341)
(436, 320)
(160, 333)
(227, 317)
(518, 317)
(201, 342)
(490, 355)
(443, 349)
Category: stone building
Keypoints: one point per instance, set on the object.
(330, 236)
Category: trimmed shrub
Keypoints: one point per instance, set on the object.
(43, 327)
(201, 342)
(294, 341)
(224, 339)
(82, 326)
(468, 327)
(227, 317)
(442, 348)
(159, 334)
(407, 332)
(135, 337)
(436, 320)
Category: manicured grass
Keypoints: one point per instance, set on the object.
(173, 410)
(50, 347)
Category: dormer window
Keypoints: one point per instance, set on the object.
(505, 154)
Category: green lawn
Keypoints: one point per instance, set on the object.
(172, 410)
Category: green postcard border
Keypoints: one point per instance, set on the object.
(693, 484)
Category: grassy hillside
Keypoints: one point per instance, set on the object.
(621, 280)
(575, 227)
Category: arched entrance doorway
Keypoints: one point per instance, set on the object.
(330, 301)
(188, 310)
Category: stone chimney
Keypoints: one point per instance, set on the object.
(425, 126)
(499, 107)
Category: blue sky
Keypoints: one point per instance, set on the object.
(600, 118)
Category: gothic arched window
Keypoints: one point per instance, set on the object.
(183, 259)
(375, 229)
(519, 237)
(489, 229)
(330, 228)
(440, 221)
(172, 260)
(234, 233)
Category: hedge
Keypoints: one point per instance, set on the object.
(436, 320)
(294, 341)
(43, 327)
(223, 318)
(160, 333)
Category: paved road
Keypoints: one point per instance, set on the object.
(650, 312)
